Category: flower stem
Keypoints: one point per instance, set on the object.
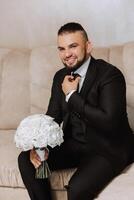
(43, 171)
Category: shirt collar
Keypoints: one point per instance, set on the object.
(83, 69)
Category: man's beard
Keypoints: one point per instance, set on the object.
(77, 66)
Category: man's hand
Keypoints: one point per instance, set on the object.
(70, 84)
(35, 159)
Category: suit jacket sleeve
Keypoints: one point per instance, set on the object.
(54, 107)
(111, 102)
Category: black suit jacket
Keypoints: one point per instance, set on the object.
(101, 107)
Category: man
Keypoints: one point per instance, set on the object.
(92, 107)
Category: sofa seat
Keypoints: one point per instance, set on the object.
(10, 176)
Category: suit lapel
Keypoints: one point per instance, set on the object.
(64, 104)
(89, 79)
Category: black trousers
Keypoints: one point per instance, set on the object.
(93, 172)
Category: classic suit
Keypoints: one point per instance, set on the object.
(98, 139)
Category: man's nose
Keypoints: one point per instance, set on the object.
(68, 53)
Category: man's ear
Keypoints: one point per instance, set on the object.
(89, 47)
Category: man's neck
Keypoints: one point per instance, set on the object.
(83, 68)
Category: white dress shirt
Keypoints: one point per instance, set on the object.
(82, 72)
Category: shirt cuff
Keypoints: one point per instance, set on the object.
(69, 95)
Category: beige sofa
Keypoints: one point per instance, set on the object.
(25, 82)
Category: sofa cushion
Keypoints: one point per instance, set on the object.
(101, 53)
(130, 111)
(8, 193)
(9, 173)
(44, 62)
(115, 56)
(128, 60)
(14, 87)
(121, 187)
(60, 178)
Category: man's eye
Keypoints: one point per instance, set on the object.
(60, 49)
(73, 46)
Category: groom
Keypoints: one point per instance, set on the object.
(89, 97)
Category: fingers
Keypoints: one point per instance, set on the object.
(35, 159)
(69, 84)
(46, 153)
(69, 78)
(77, 79)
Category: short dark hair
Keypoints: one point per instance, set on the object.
(71, 28)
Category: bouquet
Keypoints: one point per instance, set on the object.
(37, 132)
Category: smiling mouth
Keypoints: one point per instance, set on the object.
(70, 60)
